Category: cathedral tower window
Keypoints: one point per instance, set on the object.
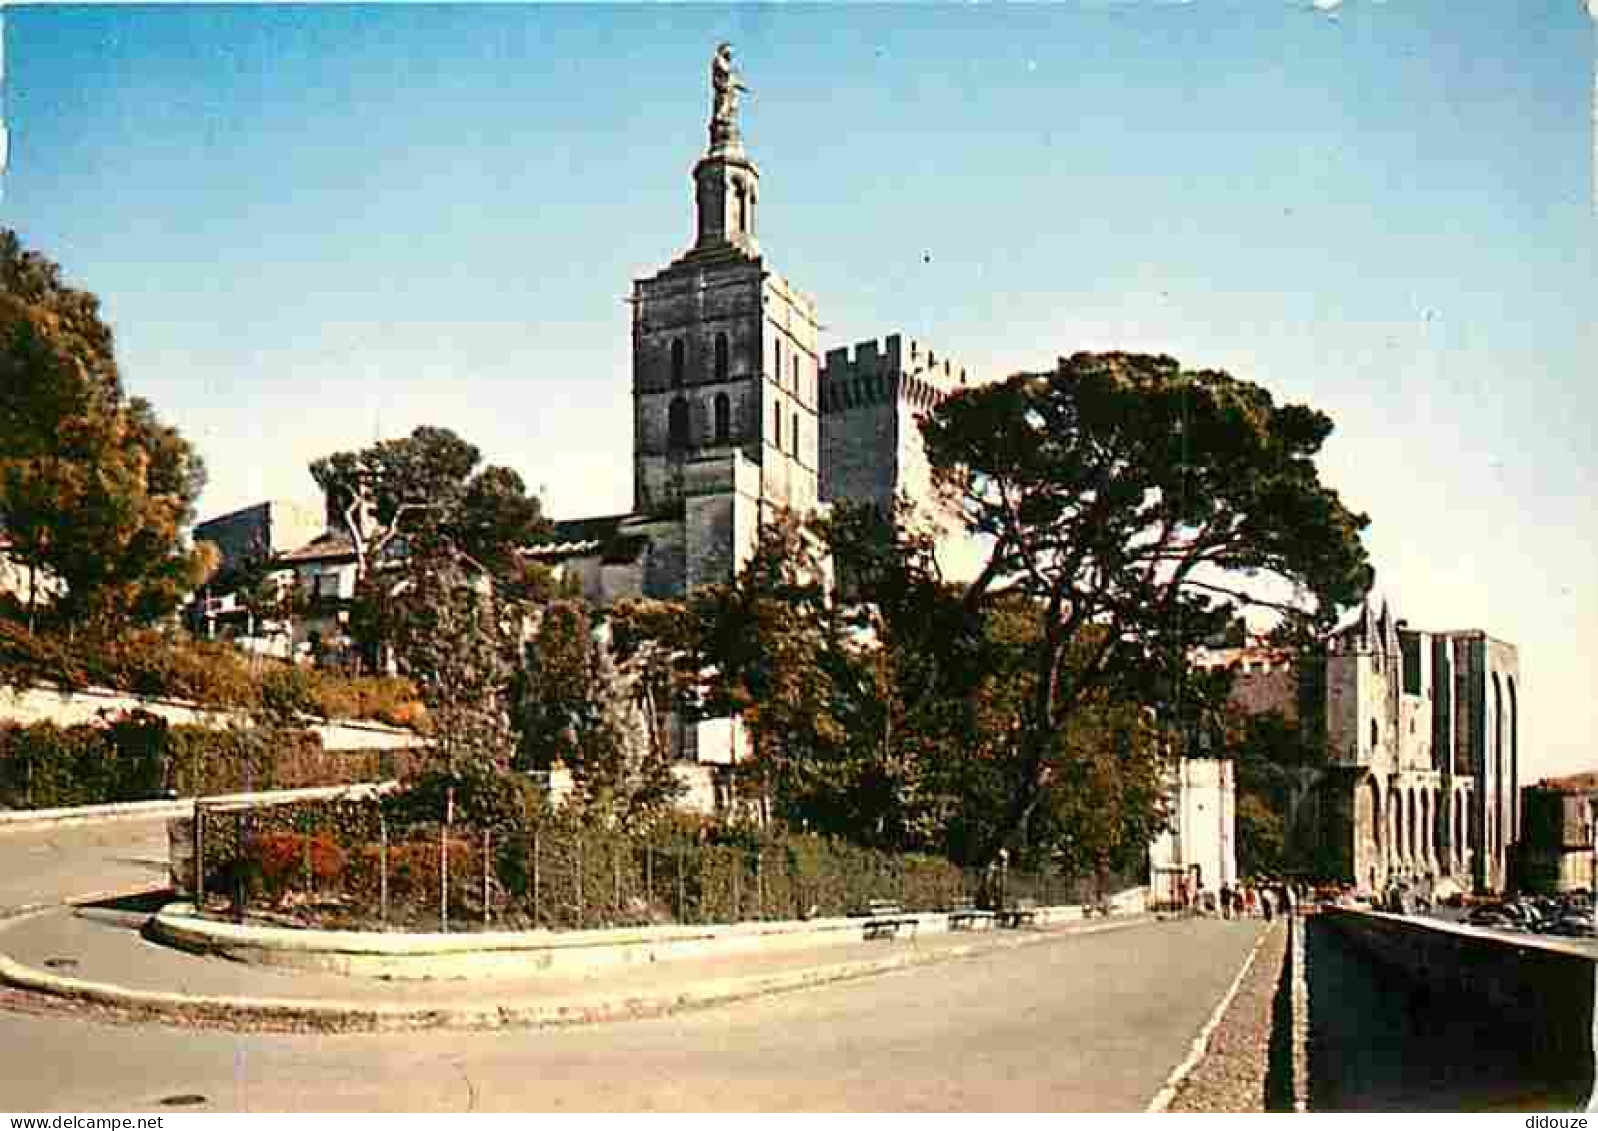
(776, 420)
(677, 424)
(722, 360)
(776, 369)
(723, 418)
(793, 437)
(677, 363)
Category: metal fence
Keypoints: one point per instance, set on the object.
(353, 862)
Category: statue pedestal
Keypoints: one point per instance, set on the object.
(725, 140)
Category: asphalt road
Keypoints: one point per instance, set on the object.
(1094, 1022)
(1091, 1022)
(55, 865)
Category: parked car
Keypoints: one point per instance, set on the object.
(1572, 926)
(1497, 915)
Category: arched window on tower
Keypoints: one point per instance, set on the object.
(678, 363)
(723, 418)
(793, 437)
(776, 368)
(776, 420)
(796, 371)
(723, 363)
(677, 424)
(742, 219)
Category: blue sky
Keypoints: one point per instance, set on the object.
(312, 225)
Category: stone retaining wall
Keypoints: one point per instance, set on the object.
(1545, 989)
(45, 704)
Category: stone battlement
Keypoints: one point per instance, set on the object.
(897, 367)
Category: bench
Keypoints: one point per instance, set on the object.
(1022, 914)
(885, 917)
(966, 915)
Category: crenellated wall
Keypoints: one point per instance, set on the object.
(872, 398)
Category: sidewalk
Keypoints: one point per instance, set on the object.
(99, 955)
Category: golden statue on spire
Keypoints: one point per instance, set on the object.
(725, 86)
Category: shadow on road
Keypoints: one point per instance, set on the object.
(1377, 1043)
(142, 903)
(131, 911)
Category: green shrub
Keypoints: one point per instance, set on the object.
(27, 658)
(44, 766)
(288, 690)
(388, 699)
(556, 870)
(137, 756)
(145, 662)
(214, 673)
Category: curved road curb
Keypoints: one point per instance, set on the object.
(355, 1016)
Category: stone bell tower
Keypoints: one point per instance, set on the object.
(725, 367)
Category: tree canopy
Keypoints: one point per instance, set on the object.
(895, 717)
(95, 490)
(1138, 508)
(427, 487)
(598, 706)
(763, 647)
(423, 498)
